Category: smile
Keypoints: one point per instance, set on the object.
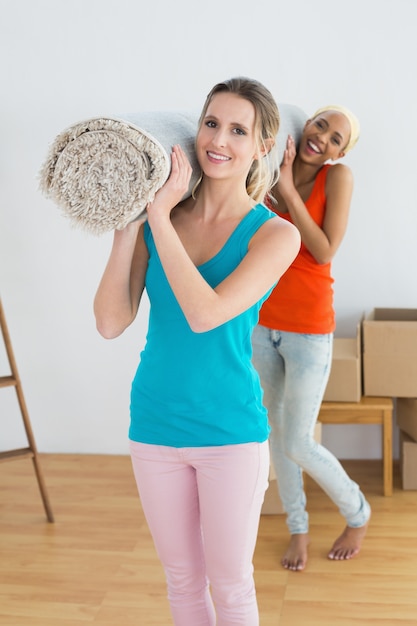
(217, 157)
(313, 147)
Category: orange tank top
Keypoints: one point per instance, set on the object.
(302, 301)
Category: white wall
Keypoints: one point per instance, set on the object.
(62, 61)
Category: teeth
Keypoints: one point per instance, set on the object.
(313, 146)
(219, 157)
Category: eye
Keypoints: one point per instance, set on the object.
(336, 141)
(211, 124)
(239, 131)
(319, 124)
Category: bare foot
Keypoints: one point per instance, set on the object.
(295, 557)
(348, 544)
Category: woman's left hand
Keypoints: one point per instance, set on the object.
(173, 190)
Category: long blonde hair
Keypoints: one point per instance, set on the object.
(264, 171)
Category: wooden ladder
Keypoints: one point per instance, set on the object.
(30, 451)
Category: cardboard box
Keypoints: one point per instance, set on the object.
(407, 416)
(390, 353)
(345, 380)
(272, 503)
(408, 461)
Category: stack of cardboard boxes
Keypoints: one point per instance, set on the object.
(380, 361)
(390, 369)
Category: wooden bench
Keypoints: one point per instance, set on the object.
(369, 410)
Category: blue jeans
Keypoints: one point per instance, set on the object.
(294, 369)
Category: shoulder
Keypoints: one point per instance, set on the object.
(273, 220)
(338, 191)
(277, 229)
(284, 228)
(339, 174)
(275, 245)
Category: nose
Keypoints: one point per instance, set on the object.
(219, 137)
(322, 136)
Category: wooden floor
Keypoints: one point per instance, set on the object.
(97, 565)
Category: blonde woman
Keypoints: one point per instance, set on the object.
(198, 427)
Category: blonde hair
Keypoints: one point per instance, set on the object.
(352, 119)
(264, 171)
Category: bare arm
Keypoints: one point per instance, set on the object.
(118, 296)
(323, 242)
(271, 251)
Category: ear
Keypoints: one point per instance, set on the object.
(268, 144)
(341, 155)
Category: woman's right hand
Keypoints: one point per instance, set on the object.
(286, 179)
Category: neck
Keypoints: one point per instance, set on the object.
(220, 198)
(304, 173)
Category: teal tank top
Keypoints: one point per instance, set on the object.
(199, 389)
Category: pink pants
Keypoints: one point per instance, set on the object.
(203, 506)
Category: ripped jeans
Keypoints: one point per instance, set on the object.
(294, 369)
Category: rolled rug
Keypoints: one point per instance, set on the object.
(102, 172)
(292, 122)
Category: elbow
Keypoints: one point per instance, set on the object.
(199, 327)
(109, 328)
(324, 258)
(107, 331)
(202, 319)
(201, 324)
(110, 324)
(325, 255)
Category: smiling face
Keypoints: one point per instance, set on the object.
(325, 137)
(225, 143)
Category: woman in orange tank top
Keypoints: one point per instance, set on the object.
(292, 345)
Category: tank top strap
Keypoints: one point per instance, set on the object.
(250, 225)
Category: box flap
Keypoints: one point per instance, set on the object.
(392, 315)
